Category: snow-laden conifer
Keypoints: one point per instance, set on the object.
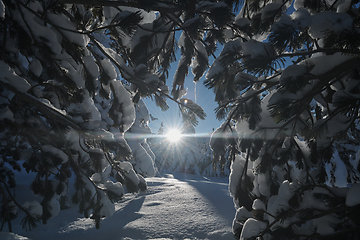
(286, 80)
(287, 87)
(73, 75)
(66, 103)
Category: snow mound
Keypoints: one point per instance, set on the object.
(178, 206)
(11, 236)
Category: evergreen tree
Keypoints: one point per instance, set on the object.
(143, 158)
(64, 109)
(161, 129)
(207, 163)
(72, 75)
(287, 84)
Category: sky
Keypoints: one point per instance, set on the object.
(204, 97)
(172, 117)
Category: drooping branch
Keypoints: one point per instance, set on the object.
(319, 50)
(149, 5)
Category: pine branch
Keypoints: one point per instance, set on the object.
(324, 78)
(47, 111)
(319, 50)
(131, 78)
(237, 101)
(11, 197)
(149, 5)
(161, 49)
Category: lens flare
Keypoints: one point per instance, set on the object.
(174, 135)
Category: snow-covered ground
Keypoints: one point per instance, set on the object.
(176, 206)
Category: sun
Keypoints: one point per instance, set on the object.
(174, 135)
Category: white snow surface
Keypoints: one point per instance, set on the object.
(176, 206)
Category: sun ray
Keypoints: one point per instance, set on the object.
(174, 135)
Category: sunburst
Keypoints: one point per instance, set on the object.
(174, 135)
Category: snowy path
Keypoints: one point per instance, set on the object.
(180, 207)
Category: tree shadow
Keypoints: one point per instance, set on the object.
(218, 196)
(110, 228)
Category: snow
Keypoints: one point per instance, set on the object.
(73, 138)
(292, 73)
(252, 227)
(353, 196)
(35, 67)
(11, 236)
(2, 10)
(88, 106)
(255, 49)
(143, 157)
(6, 113)
(267, 123)
(344, 7)
(323, 64)
(258, 205)
(329, 21)
(133, 176)
(279, 202)
(301, 18)
(217, 68)
(64, 22)
(28, 20)
(299, 4)
(101, 177)
(340, 173)
(236, 171)
(127, 115)
(116, 188)
(269, 10)
(118, 60)
(262, 184)
(175, 206)
(242, 214)
(200, 51)
(126, 166)
(8, 76)
(109, 68)
(144, 162)
(91, 66)
(55, 152)
(107, 208)
(72, 72)
(309, 201)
